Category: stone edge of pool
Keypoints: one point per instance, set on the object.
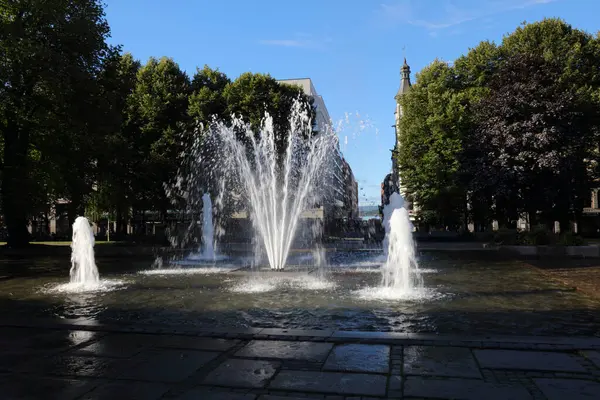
(342, 336)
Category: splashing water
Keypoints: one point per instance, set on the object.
(277, 172)
(207, 228)
(400, 271)
(84, 272)
(83, 264)
(401, 278)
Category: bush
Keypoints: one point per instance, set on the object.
(539, 236)
(466, 236)
(506, 237)
(570, 239)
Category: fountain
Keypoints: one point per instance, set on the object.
(401, 278)
(207, 227)
(279, 185)
(84, 275)
(401, 270)
(208, 254)
(83, 265)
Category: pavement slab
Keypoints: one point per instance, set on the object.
(280, 349)
(73, 361)
(463, 389)
(127, 390)
(330, 382)
(440, 361)
(194, 343)
(165, 365)
(528, 360)
(242, 373)
(211, 394)
(123, 345)
(71, 365)
(593, 356)
(571, 389)
(359, 358)
(25, 387)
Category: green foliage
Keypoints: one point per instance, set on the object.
(507, 129)
(208, 98)
(571, 239)
(251, 96)
(159, 109)
(506, 237)
(430, 142)
(51, 52)
(538, 236)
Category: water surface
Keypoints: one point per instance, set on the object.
(462, 297)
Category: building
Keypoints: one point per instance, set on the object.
(393, 182)
(334, 204)
(322, 120)
(351, 192)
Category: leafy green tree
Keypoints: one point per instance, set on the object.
(50, 52)
(538, 134)
(208, 95)
(116, 170)
(458, 121)
(252, 95)
(159, 108)
(430, 144)
(473, 72)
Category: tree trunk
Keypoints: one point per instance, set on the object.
(14, 186)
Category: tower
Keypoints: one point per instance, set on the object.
(404, 88)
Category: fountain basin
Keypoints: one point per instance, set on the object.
(466, 297)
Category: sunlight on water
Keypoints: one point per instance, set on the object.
(104, 285)
(261, 284)
(187, 271)
(391, 294)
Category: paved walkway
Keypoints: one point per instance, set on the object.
(75, 360)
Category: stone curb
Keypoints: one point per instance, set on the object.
(539, 343)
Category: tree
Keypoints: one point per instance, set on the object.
(538, 133)
(116, 170)
(208, 100)
(473, 74)
(252, 95)
(467, 136)
(159, 108)
(430, 144)
(50, 52)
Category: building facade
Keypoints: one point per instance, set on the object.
(351, 192)
(334, 184)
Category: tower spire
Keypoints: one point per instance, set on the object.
(404, 78)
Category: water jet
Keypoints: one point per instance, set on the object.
(83, 264)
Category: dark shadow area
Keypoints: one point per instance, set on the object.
(550, 263)
(566, 322)
(515, 293)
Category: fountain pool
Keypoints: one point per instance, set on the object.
(466, 296)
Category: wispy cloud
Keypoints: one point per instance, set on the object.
(299, 40)
(446, 14)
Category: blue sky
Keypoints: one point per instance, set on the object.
(351, 49)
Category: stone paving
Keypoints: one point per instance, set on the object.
(83, 360)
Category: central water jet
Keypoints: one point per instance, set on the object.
(400, 272)
(83, 264)
(276, 171)
(207, 228)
